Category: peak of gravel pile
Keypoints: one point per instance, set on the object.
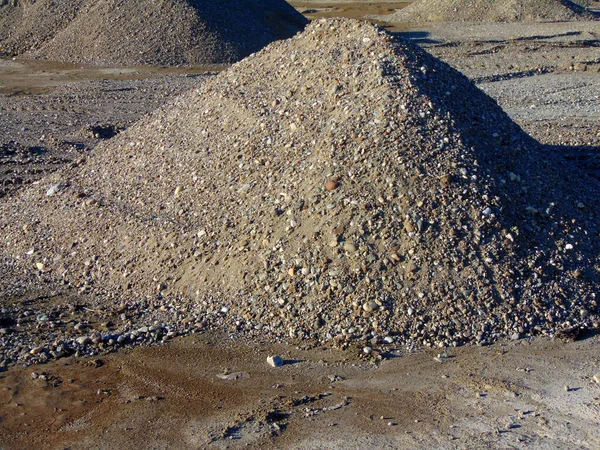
(337, 186)
(489, 11)
(130, 32)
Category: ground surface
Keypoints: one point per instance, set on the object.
(208, 390)
(218, 393)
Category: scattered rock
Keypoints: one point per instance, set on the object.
(275, 361)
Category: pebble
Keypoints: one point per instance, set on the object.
(596, 378)
(275, 361)
(332, 184)
(350, 247)
(53, 190)
(370, 306)
(84, 340)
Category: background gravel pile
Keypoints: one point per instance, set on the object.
(489, 11)
(338, 186)
(154, 32)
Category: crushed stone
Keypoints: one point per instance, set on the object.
(338, 187)
(490, 11)
(126, 32)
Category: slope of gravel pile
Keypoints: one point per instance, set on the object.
(26, 24)
(336, 186)
(127, 32)
(489, 11)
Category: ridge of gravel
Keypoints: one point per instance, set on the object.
(125, 32)
(339, 187)
(490, 11)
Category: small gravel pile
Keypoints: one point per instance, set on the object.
(339, 186)
(490, 11)
(157, 32)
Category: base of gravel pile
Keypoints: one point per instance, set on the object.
(120, 32)
(490, 11)
(339, 186)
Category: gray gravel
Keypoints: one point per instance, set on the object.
(126, 32)
(486, 11)
(336, 188)
(43, 132)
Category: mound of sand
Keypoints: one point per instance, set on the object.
(125, 32)
(489, 11)
(337, 185)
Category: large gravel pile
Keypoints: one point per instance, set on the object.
(127, 32)
(337, 186)
(489, 11)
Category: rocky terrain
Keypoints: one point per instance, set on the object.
(371, 194)
(214, 389)
(53, 114)
(491, 11)
(118, 32)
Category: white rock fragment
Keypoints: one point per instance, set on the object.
(84, 340)
(54, 190)
(275, 361)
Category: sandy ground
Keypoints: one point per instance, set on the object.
(210, 391)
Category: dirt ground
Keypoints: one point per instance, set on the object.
(212, 391)
(208, 391)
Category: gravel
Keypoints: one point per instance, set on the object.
(486, 11)
(125, 32)
(44, 132)
(339, 187)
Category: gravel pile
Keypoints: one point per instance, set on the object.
(490, 11)
(43, 132)
(28, 24)
(157, 32)
(336, 187)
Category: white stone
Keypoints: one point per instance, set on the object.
(275, 361)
